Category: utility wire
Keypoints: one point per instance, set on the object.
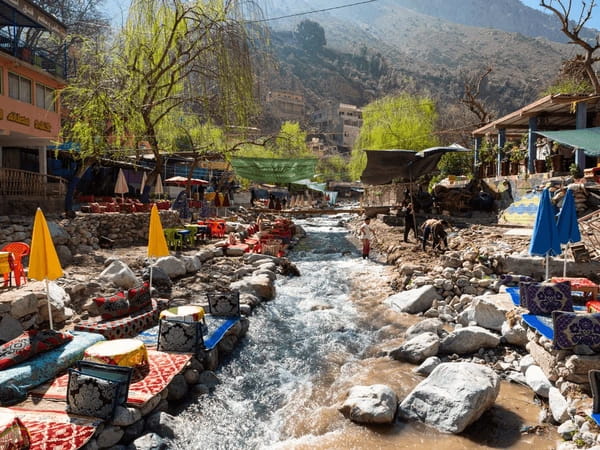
(311, 12)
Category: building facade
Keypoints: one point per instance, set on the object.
(340, 121)
(286, 105)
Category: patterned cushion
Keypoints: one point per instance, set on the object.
(179, 336)
(543, 298)
(30, 343)
(571, 330)
(139, 298)
(88, 395)
(224, 303)
(112, 307)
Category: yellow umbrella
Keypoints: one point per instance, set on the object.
(43, 260)
(157, 244)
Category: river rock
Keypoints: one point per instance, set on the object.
(446, 402)
(120, 275)
(172, 266)
(20, 303)
(208, 378)
(431, 325)
(468, 340)
(192, 263)
(370, 404)
(133, 431)
(125, 416)
(109, 436)
(427, 366)
(515, 334)
(487, 311)
(10, 328)
(150, 441)
(558, 405)
(417, 349)
(162, 423)
(178, 388)
(537, 380)
(414, 301)
(205, 255)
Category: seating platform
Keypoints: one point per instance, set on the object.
(124, 327)
(216, 328)
(17, 380)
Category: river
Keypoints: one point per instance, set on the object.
(324, 333)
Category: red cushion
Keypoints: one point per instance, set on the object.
(30, 343)
(112, 307)
(139, 297)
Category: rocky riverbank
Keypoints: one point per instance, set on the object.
(468, 321)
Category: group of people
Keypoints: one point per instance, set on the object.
(431, 228)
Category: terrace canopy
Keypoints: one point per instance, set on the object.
(383, 166)
(271, 170)
(587, 139)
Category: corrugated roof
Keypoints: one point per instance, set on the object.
(555, 111)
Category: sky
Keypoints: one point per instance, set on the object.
(116, 9)
(594, 21)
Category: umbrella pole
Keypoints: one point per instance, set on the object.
(547, 266)
(49, 307)
(565, 260)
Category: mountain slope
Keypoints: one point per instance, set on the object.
(421, 53)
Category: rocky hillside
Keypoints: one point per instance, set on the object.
(426, 50)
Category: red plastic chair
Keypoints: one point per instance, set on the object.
(18, 249)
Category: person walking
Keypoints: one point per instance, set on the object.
(366, 235)
(410, 221)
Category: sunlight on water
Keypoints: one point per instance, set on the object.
(282, 386)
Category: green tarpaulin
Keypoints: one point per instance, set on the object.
(587, 139)
(270, 170)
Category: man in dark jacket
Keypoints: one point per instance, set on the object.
(410, 221)
(435, 228)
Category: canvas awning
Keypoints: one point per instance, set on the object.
(383, 166)
(587, 139)
(270, 170)
(321, 187)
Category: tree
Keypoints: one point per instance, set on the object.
(394, 122)
(472, 84)
(310, 35)
(563, 10)
(175, 65)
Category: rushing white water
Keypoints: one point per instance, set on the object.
(304, 349)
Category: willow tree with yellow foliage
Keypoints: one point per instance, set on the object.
(175, 66)
(394, 122)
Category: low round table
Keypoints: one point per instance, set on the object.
(118, 352)
(186, 313)
(13, 434)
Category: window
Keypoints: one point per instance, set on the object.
(44, 97)
(19, 88)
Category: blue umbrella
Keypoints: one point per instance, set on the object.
(568, 227)
(544, 239)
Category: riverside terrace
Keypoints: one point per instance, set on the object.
(161, 377)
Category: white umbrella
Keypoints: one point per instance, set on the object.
(121, 185)
(143, 185)
(158, 187)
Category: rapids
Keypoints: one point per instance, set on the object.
(323, 333)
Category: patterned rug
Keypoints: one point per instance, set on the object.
(145, 384)
(54, 430)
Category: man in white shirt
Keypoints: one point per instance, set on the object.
(366, 234)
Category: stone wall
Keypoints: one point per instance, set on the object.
(82, 233)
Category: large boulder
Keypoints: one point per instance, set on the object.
(446, 401)
(120, 275)
(370, 404)
(172, 266)
(431, 325)
(417, 349)
(468, 340)
(487, 311)
(414, 301)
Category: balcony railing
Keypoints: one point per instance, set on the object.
(24, 184)
(54, 64)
